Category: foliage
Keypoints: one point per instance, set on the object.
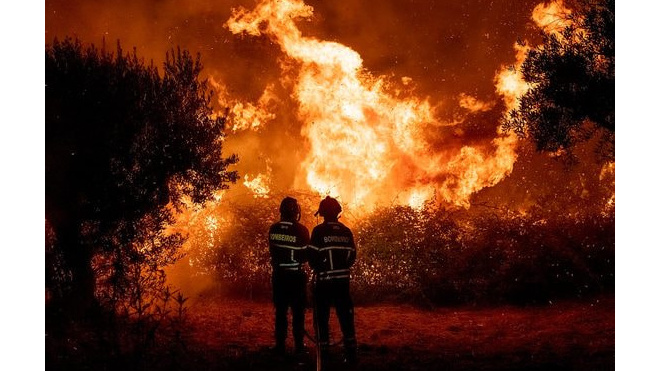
(403, 254)
(524, 259)
(229, 241)
(240, 256)
(432, 256)
(571, 75)
(123, 144)
(153, 337)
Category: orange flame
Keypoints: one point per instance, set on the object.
(245, 115)
(472, 104)
(259, 185)
(510, 83)
(552, 17)
(367, 141)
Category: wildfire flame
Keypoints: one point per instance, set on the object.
(552, 17)
(258, 185)
(510, 83)
(472, 104)
(246, 115)
(367, 143)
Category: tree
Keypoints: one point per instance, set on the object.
(123, 146)
(571, 75)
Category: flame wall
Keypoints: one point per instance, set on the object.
(393, 103)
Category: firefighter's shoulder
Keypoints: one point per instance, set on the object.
(338, 226)
(284, 226)
(323, 229)
(318, 232)
(301, 228)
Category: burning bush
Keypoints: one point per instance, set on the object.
(523, 259)
(228, 241)
(404, 253)
(429, 256)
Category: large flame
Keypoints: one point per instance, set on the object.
(552, 17)
(367, 142)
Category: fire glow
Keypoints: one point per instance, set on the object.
(400, 112)
(367, 141)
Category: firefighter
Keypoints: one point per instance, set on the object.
(331, 254)
(288, 240)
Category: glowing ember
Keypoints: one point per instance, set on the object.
(607, 175)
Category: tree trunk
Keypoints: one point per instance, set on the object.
(79, 302)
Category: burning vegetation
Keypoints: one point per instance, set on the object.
(375, 144)
(324, 124)
(459, 192)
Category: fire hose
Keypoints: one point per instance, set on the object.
(315, 339)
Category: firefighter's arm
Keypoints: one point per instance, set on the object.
(352, 252)
(312, 251)
(303, 254)
(270, 248)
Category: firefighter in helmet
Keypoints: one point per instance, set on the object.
(288, 240)
(331, 254)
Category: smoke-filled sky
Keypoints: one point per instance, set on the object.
(403, 96)
(447, 47)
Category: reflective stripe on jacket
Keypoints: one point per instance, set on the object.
(331, 251)
(287, 242)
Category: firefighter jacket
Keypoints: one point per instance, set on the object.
(287, 241)
(331, 251)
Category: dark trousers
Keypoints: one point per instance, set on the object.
(289, 290)
(335, 293)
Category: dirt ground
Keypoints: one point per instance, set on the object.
(230, 334)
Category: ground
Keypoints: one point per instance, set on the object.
(223, 334)
(569, 335)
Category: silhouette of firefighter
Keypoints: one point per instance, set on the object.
(287, 242)
(331, 254)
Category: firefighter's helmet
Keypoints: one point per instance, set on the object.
(329, 207)
(289, 208)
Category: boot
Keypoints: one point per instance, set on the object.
(350, 352)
